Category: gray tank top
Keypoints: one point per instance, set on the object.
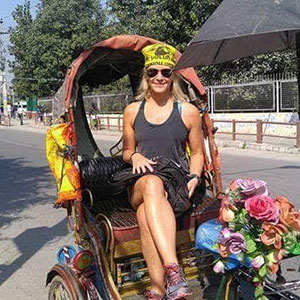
(166, 139)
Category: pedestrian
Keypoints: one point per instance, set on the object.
(20, 113)
(156, 130)
(14, 111)
(39, 113)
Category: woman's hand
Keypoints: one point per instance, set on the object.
(140, 163)
(192, 184)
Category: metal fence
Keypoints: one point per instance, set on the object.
(106, 104)
(267, 96)
(289, 100)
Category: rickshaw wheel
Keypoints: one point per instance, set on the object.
(59, 290)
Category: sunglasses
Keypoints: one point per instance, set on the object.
(164, 72)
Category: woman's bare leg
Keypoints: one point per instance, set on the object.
(155, 268)
(159, 215)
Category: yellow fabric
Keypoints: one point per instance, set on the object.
(158, 54)
(65, 172)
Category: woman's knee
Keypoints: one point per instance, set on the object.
(153, 186)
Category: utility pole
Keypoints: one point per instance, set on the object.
(4, 99)
(298, 69)
(3, 82)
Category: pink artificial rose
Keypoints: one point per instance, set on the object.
(219, 267)
(262, 208)
(257, 262)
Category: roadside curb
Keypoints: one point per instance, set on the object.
(257, 147)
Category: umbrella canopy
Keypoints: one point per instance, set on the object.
(241, 28)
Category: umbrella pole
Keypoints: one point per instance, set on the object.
(298, 69)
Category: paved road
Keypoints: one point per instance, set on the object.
(32, 231)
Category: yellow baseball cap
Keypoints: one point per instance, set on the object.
(159, 54)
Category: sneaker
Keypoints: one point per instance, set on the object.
(177, 286)
(153, 295)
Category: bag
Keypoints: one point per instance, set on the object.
(59, 151)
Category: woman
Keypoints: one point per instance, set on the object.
(157, 127)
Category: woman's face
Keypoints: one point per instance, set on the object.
(159, 78)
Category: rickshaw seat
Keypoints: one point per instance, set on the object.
(125, 225)
(122, 217)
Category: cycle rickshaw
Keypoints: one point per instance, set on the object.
(107, 262)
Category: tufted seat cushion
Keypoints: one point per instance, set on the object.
(96, 172)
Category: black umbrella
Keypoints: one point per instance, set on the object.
(241, 28)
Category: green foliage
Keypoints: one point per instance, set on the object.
(20, 48)
(177, 22)
(46, 46)
(259, 291)
(263, 271)
(172, 21)
(249, 68)
(290, 241)
(250, 244)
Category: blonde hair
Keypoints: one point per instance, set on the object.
(176, 90)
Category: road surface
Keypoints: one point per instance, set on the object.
(32, 231)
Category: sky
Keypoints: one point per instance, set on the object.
(6, 9)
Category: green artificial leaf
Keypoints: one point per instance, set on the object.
(250, 245)
(259, 292)
(289, 241)
(296, 249)
(263, 271)
(215, 246)
(263, 297)
(257, 278)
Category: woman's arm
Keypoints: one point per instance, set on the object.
(129, 144)
(193, 123)
(138, 161)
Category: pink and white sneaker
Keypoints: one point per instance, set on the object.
(177, 286)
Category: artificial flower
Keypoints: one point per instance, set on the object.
(250, 187)
(223, 251)
(234, 242)
(262, 208)
(272, 234)
(219, 267)
(273, 258)
(226, 212)
(257, 262)
(287, 216)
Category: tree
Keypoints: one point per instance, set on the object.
(172, 21)
(177, 22)
(61, 30)
(21, 66)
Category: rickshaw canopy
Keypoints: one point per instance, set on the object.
(106, 62)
